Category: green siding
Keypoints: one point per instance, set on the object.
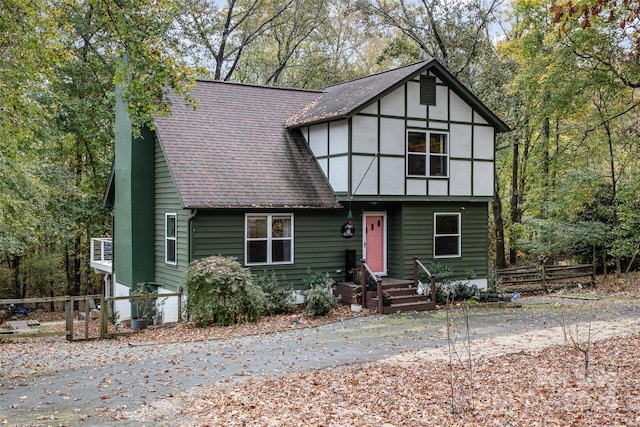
(395, 247)
(167, 200)
(319, 246)
(133, 202)
(418, 237)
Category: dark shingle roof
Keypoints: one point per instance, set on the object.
(235, 152)
(345, 99)
(242, 148)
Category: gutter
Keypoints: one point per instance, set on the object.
(194, 212)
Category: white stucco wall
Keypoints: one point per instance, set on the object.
(339, 173)
(338, 137)
(364, 135)
(319, 139)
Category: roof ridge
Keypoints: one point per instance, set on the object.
(379, 73)
(263, 86)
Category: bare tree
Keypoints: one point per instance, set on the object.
(215, 37)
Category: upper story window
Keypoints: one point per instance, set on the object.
(430, 159)
(170, 238)
(446, 235)
(269, 239)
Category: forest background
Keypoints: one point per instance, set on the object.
(564, 75)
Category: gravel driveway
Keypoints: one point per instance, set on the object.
(51, 382)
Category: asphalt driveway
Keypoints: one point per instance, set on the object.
(92, 383)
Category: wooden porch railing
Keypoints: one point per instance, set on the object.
(417, 266)
(367, 276)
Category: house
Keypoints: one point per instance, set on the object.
(384, 168)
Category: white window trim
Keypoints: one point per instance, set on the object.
(458, 235)
(167, 238)
(269, 238)
(428, 153)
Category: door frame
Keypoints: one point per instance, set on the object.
(383, 214)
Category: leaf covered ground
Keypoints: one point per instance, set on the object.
(544, 388)
(541, 384)
(547, 387)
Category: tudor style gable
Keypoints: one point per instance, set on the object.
(421, 135)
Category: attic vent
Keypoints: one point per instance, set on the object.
(427, 90)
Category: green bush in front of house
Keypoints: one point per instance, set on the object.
(278, 293)
(449, 290)
(318, 295)
(222, 292)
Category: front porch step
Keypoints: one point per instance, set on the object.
(403, 296)
(399, 308)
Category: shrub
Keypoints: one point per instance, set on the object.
(278, 294)
(222, 292)
(318, 297)
(449, 290)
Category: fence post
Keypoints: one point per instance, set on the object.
(433, 288)
(68, 316)
(87, 315)
(104, 317)
(544, 276)
(179, 304)
(363, 282)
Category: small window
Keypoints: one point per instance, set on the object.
(427, 90)
(430, 159)
(446, 235)
(170, 238)
(269, 239)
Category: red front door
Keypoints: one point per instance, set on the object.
(374, 242)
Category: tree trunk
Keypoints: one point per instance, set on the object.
(501, 261)
(614, 197)
(14, 265)
(77, 264)
(52, 305)
(515, 197)
(67, 271)
(546, 134)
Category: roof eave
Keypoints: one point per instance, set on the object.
(298, 125)
(252, 206)
(109, 192)
(482, 109)
(444, 75)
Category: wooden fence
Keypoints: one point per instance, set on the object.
(69, 315)
(545, 277)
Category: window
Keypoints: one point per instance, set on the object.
(269, 239)
(170, 238)
(430, 159)
(446, 235)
